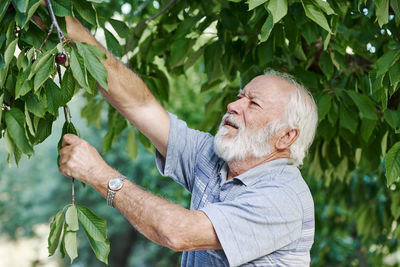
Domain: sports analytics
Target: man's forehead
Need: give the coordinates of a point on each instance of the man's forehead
(263, 83)
(250, 93)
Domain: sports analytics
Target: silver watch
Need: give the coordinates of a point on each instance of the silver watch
(114, 185)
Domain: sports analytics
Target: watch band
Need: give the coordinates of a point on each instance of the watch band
(110, 197)
(111, 193)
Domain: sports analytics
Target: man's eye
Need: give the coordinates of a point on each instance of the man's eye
(254, 103)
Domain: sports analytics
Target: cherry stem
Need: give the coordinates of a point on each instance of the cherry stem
(67, 116)
(60, 34)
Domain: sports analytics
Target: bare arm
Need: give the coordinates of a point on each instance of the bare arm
(161, 221)
(127, 92)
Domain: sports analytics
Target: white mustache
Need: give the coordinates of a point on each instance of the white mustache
(232, 121)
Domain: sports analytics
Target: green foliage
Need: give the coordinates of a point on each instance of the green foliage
(68, 222)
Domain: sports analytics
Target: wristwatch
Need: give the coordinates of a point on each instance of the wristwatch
(114, 185)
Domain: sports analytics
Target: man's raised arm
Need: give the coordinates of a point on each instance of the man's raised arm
(127, 92)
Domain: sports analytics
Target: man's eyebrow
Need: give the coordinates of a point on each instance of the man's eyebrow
(256, 96)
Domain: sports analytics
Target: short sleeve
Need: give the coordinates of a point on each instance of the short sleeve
(184, 145)
(256, 223)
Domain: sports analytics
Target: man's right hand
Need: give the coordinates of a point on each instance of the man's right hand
(127, 92)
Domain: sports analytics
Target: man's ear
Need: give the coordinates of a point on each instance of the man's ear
(287, 139)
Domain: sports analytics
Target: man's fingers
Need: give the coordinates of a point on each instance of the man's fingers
(69, 139)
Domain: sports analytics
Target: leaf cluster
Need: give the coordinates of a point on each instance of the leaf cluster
(64, 227)
(30, 94)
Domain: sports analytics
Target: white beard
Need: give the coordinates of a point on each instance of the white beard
(245, 144)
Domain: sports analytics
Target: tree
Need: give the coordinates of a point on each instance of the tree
(346, 52)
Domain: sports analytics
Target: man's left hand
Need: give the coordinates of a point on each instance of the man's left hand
(80, 160)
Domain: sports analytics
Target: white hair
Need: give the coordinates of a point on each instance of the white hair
(300, 113)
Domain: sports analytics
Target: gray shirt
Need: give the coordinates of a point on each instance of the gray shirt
(263, 217)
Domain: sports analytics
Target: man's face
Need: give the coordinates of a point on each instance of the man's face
(248, 128)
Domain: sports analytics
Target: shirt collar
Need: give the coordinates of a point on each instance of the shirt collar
(253, 174)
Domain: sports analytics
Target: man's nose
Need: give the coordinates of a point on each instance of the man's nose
(235, 107)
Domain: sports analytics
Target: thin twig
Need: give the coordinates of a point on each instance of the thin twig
(47, 37)
(161, 11)
(60, 34)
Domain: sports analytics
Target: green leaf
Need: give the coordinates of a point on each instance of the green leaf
(1, 105)
(382, 11)
(62, 243)
(386, 61)
(120, 27)
(40, 61)
(326, 65)
(33, 6)
(395, 205)
(278, 9)
(392, 160)
(85, 10)
(11, 148)
(56, 227)
(112, 43)
(367, 127)
(92, 112)
(146, 142)
(364, 104)
(43, 74)
(395, 4)
(315, 14)
(117, 124)
(95, 226)
(212, 66)
(67, 87)
(131, 145)
(266, 29)
(23, 84)
(15, 120)
(324, 5)
(9, 53)
(21, 5)
(71, 246)
(348, 120)
(71, 218)
(179, 50)
(53, 97)
(93, 64)
(78, 69)
(35, 105)
(28, 121)
(3, 9)
(43, 128)
(392, 117)
(101, 249)
(255, 3)
(62, 8)
(192, 58)
(324, 106)
(394, 74)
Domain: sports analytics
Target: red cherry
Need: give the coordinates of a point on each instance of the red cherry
(61, 58)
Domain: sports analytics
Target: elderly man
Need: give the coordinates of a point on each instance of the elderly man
(250, 205)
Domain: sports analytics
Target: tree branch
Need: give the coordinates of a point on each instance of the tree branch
(60, 34)
(167, 6)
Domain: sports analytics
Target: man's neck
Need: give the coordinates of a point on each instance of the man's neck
(237, 167)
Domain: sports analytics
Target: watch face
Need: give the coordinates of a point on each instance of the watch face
(115, 184)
